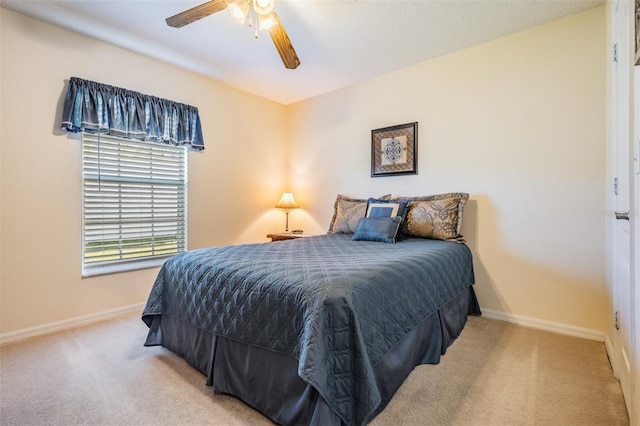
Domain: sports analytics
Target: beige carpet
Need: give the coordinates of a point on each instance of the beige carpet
(494, 374)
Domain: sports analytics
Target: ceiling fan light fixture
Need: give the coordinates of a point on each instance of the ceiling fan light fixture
(239, 9)
(263, 7)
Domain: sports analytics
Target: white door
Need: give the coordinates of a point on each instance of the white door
(622, 88)
(635, 258)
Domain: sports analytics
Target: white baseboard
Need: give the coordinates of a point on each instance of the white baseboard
(609, 347)
(53, 327)
(555, 327)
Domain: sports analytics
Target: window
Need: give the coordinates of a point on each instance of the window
(134, 203)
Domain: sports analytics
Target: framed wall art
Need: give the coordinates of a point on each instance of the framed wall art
(394, 150)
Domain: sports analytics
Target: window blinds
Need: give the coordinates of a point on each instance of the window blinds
(134, 202)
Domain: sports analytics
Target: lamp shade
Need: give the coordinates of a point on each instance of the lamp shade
(263, 7)
(265, 22)
(287, 201)
(239, 9)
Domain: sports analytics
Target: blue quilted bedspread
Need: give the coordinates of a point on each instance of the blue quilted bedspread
(334, 304)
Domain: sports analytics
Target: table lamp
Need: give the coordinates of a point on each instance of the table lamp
(287, 202)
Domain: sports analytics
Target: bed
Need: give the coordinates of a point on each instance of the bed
(318, 330)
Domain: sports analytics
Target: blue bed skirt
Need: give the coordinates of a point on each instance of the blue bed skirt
(268, 381)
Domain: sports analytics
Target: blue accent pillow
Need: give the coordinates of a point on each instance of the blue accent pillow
(382, 229)
(386, 208)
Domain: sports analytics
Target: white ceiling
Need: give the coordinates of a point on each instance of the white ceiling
(339, 42)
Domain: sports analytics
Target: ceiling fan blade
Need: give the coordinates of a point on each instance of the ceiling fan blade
(283, 44)
(195, 13)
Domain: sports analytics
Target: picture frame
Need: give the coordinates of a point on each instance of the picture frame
(394, 150)
(637, 32)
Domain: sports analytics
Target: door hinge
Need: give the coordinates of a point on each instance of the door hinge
(615, 52)
(615, 186)
(615, 321)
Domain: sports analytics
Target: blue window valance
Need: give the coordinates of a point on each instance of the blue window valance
(99, 108)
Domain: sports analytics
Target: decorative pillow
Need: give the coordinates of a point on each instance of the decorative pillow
(439, 219)
(383, 229)
(386, 208)
(347, 212)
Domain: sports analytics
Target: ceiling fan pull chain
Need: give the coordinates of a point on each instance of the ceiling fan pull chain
(252, 14)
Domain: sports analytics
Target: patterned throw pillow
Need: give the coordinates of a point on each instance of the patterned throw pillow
(347, 212)
(435, 216)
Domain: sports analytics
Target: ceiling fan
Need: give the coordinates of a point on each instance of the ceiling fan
(263, 11)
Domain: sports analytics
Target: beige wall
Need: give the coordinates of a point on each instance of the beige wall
(233, 185)
(519, 123)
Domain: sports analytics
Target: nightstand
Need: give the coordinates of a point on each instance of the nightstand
(282, 236)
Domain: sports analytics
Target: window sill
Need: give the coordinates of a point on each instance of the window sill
(92, 271)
